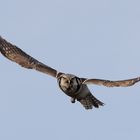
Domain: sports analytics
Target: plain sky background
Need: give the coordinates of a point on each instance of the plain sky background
(89, 38)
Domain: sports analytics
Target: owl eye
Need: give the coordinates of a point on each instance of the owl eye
(71, 81)
(67, 81)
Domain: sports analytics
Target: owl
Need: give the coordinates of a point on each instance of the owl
(73, 86)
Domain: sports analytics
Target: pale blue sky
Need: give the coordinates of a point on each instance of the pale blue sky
(89, 38)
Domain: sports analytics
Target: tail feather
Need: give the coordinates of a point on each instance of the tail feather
(89, 101)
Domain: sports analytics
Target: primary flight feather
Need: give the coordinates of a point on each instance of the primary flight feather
(70, 84)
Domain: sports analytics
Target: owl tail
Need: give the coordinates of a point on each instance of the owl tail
(89, 101)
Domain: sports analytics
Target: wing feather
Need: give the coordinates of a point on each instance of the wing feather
(108, 83)
(15, 54)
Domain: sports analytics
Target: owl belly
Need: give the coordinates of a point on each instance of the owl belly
(78, 94)
(83, 92)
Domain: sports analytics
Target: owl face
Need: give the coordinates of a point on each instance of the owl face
(69, 84)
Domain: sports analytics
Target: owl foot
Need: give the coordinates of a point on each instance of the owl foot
(72, 100)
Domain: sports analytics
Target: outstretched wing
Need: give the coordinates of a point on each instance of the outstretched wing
(15, 54)
(108, 83)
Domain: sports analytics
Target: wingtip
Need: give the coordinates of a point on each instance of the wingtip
(137, 80)
(1, 39)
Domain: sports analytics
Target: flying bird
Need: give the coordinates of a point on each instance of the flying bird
(71, 85)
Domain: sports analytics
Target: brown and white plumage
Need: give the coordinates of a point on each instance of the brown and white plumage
(108, 83)
(17, 55)
(71, 85)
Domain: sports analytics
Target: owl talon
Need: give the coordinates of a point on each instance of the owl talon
(72, 100)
